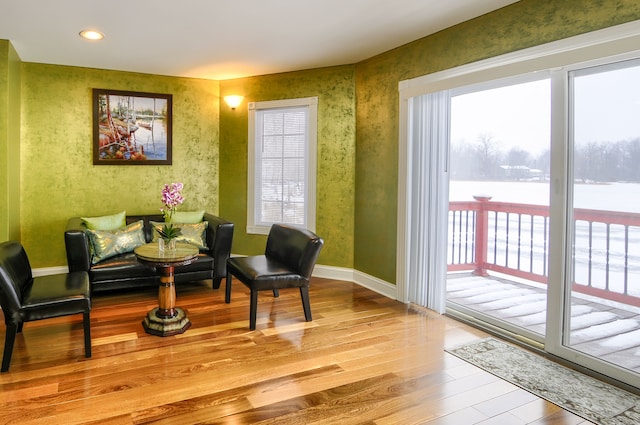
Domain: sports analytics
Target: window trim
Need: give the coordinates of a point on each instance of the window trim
(311, 160)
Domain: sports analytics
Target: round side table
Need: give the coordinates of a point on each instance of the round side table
(166, 319)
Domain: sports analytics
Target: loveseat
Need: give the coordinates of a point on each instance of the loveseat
(123, 270)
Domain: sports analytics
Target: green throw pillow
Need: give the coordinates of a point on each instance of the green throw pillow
(106, 244)
(188, 217)
(192, 233)
(107, 222)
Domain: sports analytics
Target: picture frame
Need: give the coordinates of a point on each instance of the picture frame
(131, 128)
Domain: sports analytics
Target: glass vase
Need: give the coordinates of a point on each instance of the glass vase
(166, 244)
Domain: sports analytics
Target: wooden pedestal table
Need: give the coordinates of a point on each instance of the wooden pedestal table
(166, 319)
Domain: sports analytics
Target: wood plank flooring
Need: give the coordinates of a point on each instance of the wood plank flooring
(364, 359)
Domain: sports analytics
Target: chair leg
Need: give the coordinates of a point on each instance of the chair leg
(86, 321)
(304, 294)
(227, 289)
(9, 340)
(216, 282)
(276, 293)
(20, 326)
(253, 310)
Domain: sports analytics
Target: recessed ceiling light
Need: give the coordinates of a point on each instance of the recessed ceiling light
(91, 35)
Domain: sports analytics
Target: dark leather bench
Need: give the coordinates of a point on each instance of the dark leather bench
(125, 271)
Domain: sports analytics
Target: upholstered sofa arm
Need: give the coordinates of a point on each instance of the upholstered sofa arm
(77, 245)
(219, 240)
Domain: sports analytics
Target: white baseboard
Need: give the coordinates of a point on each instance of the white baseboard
(327, 272)
(44, 271)
(331, 272)
(375, 284)
(370, 282)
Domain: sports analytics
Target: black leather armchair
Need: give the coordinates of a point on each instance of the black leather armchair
(24, 298)
(290, 256)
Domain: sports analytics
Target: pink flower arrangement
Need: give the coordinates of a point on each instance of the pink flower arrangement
(171, 198)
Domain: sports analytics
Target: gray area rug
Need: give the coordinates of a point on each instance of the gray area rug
(585, 396)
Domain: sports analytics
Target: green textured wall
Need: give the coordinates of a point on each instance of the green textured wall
(9, 142)
(335, 89)
(59, 179)
(524, 24)
(4, 140)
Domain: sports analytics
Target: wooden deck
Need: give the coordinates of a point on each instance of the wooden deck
(608, 331)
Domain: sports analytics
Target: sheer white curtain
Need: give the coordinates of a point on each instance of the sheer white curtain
(427, 199)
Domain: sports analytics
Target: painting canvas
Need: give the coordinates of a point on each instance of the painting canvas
(131, 128)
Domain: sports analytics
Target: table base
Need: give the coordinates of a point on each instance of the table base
(155, 325)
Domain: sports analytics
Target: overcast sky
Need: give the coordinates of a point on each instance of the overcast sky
(608, 106)
(607, 109)
(513, 116)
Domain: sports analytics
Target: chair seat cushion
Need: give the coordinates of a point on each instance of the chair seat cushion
(128, 265)
(261, 273)
(57, 295)
(117, 267)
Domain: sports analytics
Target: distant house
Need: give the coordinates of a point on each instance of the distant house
(520, 173)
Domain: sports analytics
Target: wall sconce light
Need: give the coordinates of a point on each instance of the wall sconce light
(233, 100)
(91, 35)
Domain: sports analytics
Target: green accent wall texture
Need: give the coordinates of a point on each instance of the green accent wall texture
(335, 89)
(59, 179)
(4, 140)
(524, 24)
(9, 142)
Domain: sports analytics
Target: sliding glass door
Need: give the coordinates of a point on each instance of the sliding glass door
(499, 202)
(542, 226)
(504, 136)
(602, 266)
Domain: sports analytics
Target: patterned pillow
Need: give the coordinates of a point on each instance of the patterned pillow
(192, 233)
(106, 244)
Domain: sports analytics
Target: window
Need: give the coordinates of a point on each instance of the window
(282, 164)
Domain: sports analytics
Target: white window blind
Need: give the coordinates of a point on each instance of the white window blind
(282, 157)
(281, 160)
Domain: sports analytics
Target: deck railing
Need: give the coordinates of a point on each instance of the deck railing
(513, 239)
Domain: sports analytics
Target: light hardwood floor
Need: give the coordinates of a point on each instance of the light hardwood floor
(364, 359)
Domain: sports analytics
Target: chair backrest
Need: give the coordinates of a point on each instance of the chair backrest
(15, 274)
(294, 247)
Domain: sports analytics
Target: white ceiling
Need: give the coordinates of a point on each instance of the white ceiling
(222, 39)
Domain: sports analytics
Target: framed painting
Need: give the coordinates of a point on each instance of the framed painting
(131, 128)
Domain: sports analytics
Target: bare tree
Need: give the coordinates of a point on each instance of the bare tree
(631, 160)
(488, 156)
(518, 156)
(462, 155)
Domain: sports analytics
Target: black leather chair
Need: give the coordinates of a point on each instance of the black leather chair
(24, 298)
(290, 256)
